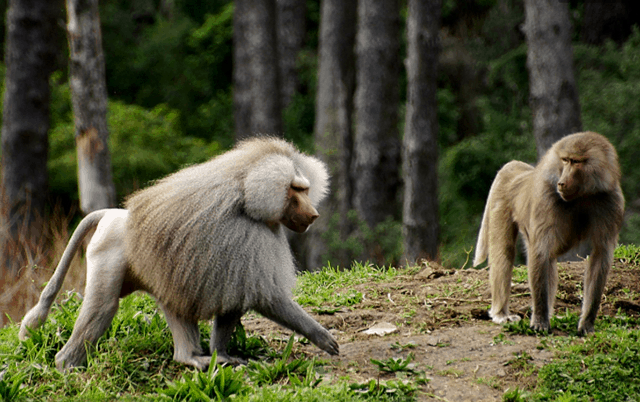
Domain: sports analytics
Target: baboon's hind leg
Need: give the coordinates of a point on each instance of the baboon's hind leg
(502, 252)
(106, 269)
(186, 341)
(223, 328)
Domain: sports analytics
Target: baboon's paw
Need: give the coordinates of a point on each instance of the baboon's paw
(502, 318)
(540, 325)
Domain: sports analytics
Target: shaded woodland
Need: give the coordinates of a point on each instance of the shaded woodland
(414, 106)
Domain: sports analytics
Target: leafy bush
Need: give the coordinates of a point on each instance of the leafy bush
(144, 145)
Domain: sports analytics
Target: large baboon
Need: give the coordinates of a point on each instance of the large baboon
(573, 195)
(205, 241)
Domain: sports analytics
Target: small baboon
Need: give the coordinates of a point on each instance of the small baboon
(573, 195)
(205, 241)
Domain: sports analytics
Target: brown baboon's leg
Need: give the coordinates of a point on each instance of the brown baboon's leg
(595, 278)
(502, 251)
(542, 280)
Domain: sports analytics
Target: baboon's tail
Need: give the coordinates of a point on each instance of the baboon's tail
(38, 314)
(482, 246)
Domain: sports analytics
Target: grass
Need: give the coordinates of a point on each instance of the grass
(133, 360)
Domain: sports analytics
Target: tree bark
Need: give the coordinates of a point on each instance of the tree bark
(420, 156)
(256, 81)
(89, 98)
(241, 73)
(333, 134)
(290, 16)
(30, 57)
(553, 91)
(377, 145)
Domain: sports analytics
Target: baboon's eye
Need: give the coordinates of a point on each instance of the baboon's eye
(298, 188)
(565, 160)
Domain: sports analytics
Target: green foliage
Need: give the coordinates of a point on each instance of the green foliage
(182, 60)
(282, 369)
(628, 254)
(318, 289)
(144, 145)
(392, 390)
(218, 383)
(515, 395)
(520, 327)
(605, 367)
(466, 171)
(383, 243)
(247, 346)
(11, 387)
(394, 364)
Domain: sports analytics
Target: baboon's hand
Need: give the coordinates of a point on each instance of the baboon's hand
(325, 341)
(585, 328)
(540, 325)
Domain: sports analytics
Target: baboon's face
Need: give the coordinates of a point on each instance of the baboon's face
(570, 184)
(299, 213)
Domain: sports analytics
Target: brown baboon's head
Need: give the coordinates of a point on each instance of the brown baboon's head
(588, 165)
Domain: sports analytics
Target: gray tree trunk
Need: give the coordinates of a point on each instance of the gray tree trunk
(376, 154)
(256, 77)
(553, 94)
(552, 87)
(89, 98)
(290, 16)
(333, 135)
(30, 57)
(420, 152)
(241, 72)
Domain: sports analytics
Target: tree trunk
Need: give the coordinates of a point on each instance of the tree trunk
(30, 56)
(332, 132)
(241, 72)
(256, 82)
(377, 145)
(553, 91)
(553, 94)
(291, 27)
(89, 98)
(420, 156)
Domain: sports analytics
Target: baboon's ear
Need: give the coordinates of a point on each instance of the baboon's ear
(266, 186)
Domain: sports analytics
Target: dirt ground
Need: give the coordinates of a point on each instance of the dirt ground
(440, 316)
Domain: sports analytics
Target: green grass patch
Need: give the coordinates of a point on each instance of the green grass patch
(603, 366)
(319, 289)
(133, 360)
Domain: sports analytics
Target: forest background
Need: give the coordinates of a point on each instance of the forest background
(169, 68)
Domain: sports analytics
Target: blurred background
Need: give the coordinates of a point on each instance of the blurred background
(414, 106)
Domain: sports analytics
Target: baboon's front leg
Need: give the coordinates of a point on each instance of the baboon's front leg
(288, 313)
(595, 279)
(543, 281)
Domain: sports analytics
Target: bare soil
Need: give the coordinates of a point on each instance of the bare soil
(440, 316)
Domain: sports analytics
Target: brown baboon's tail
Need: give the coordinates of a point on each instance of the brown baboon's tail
(482, 245)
